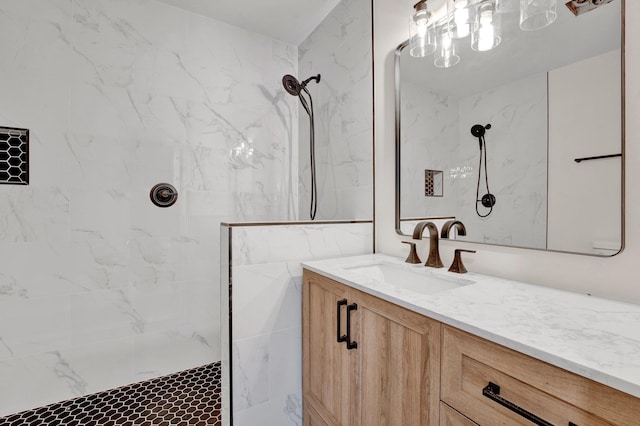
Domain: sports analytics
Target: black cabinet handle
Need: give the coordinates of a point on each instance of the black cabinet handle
(492, 391)
(340, 337)
(350, 343)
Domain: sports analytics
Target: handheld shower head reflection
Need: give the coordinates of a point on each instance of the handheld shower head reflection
(478, 131)
(293, 86)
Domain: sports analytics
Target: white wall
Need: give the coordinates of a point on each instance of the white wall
(609, 277)
(98, 287)
(583, 123)
(340, 50)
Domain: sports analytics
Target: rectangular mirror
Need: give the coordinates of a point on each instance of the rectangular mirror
(529, 135)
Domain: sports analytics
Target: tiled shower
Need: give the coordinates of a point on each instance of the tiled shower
(99, 288)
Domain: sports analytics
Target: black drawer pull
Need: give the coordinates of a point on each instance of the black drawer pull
(492, 391)
(350, 343)
(340, 337)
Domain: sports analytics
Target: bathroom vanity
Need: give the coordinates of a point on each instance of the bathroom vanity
(379, 351)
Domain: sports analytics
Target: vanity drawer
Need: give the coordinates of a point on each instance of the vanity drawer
(450, 417)
(552, 394)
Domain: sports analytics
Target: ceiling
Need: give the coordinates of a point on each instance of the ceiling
(287, 20)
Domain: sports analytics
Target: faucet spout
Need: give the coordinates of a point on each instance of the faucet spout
(452, 224)
(433, 260)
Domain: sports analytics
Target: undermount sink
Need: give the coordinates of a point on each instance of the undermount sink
(414, 278)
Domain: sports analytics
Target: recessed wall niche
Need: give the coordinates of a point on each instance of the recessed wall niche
(433, 183)
(14, 156)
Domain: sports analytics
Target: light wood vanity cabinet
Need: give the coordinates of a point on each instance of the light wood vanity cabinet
(405, 363)
(390, 378)
(552, 394)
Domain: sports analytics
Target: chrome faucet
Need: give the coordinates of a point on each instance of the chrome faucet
(448, 226)
(434, 260)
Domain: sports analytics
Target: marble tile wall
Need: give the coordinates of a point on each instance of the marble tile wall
(98, 287)
(340, 50)
(266, 286)
(516, 147)
(437, 135)
(429, 140)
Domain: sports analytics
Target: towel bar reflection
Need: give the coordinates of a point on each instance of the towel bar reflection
(598, 157)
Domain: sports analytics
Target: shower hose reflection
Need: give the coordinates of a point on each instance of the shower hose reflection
(296, 88)
(488, 200)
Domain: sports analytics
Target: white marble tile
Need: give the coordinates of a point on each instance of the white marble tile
(19, 280)
(16, 372)
(31, 326)
(99, 214)
(34, 214)
(92, 163)
(99, 264)
(34, 34)
(120, 95)
(285, 363)
(340, 49)
(516, 159)
(114, 358)
(250, 360)
(266, 286)
(254, 245)
(175, 349)
(157, 260)
(150, 221)
(103, 315)
(56, 380)
(159, 306)
(266, 298)
(285, 410)
(112, 112)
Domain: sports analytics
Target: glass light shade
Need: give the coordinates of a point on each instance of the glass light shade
(487, 27)
(445, 55)
(537, 14)
(422, 39)
(508, 6)
(460, 13)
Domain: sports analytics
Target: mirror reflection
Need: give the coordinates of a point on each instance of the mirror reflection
(514, 130)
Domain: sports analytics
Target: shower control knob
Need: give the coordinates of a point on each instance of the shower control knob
(163, 195)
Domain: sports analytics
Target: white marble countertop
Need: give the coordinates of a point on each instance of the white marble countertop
(592, 337)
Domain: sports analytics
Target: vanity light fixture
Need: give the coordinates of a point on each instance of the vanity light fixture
(537, 14)
(421, 31)
(445, 55)
(486, 27)
(462, 19)
(437, 25)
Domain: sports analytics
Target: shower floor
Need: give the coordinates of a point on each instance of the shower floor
(190, 397)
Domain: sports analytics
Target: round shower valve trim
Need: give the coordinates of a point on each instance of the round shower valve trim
(163, 195)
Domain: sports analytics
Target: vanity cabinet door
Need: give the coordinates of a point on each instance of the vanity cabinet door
(398, 364)
(326, 378)
(494, 385)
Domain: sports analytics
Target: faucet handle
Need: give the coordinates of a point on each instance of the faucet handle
(457, 266)
(413, 254)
